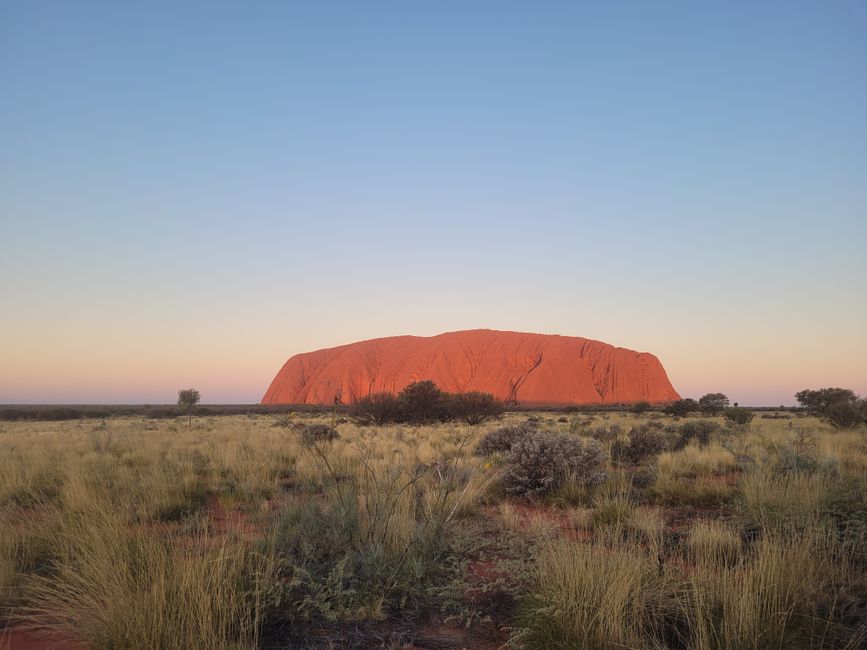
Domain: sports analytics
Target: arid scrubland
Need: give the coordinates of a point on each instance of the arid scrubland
(614, 531)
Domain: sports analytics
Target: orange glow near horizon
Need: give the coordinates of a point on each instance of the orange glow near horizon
(67, 373)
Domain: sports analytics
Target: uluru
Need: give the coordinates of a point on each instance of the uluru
(519, 368)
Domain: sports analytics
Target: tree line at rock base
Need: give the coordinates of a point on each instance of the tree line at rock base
(423, 402)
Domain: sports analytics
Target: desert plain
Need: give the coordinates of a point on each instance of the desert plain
(315, 529)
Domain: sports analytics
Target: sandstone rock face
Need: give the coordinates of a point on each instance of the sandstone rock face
(527, 369)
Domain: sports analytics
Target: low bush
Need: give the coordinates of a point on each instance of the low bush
(698, 430)
(846, 415)
(474, 407)
(738, 416)
(501, 439)
(422, 402)
(605, 434)
(682, 407)
(542, 461)
(376, 409)
(644, 442)
(316, 434)
(792, 459)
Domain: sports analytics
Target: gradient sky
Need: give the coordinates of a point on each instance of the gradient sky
(192, 192)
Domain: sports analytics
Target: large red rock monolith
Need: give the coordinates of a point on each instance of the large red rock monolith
(528, 369)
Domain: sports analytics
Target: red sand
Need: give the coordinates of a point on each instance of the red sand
(530, 369)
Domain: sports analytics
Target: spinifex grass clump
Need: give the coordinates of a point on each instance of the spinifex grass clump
(590, 596)
(713, 543)
(119, 587)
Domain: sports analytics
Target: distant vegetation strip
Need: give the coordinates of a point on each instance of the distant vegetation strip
(59, 412)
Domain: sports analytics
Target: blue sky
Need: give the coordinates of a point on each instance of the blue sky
(192, 192)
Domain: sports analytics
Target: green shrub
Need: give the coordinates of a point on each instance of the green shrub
(817, 401)
(422, 402)
(340, 559)
(543, 460)
(846, 415)
(376, 409)
(738, 416)
(792, 460)
(474, 407)
(713, 403)
(644, 441)
(698, 430)
(682, 407)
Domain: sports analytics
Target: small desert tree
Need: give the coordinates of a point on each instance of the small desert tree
(846, 414)
(682, 407)
(474, 407)
(187, 400)
(713, 403)
(817, 401)
(376, 408)
(422, 402)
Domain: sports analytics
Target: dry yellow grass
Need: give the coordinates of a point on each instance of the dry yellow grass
(107, 533)
(713, 543)
(693, 461)
(593, 596)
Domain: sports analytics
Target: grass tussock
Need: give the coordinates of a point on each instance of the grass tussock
(592, 596)
(120, 588)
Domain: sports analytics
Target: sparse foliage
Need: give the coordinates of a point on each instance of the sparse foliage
(187, 400)
(317, 434)
(604, 433)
